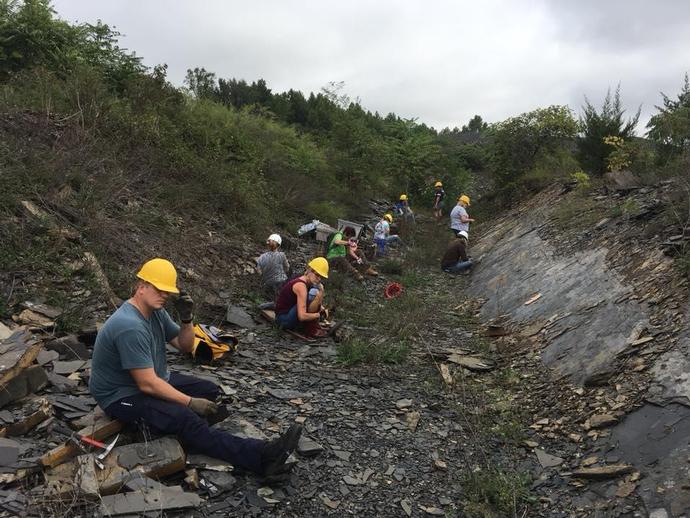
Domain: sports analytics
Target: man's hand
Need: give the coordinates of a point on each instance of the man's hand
(185, 307)
(202, 406)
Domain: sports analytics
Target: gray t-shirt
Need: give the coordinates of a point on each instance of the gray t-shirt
(455, 222)
(274, 267)
(129, 341)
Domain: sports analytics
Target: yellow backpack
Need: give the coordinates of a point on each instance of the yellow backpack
(211, 343)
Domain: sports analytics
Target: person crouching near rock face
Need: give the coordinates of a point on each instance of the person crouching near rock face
(273, 267)
(456, 260)
(299, 304)
(383, 236)
(131, 382)
(343, 255)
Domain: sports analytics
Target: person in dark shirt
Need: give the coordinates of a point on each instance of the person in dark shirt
(438, 200)
(455, 259)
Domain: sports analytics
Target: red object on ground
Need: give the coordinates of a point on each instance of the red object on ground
(394, 289)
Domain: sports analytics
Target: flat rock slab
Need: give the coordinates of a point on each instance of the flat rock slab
(289, 394)
(155, 459)
(5, 332)
(9, 451)
(70, 366)
(308, 447)
(654, 439)
(45, 356)
(238, 316)
(473, 363)
(602, 420)
(603, 472)
(401, 404)
(26, 382)
(17, 352)
(146, 500)
(547, 460)
(216, 482)
(69, 348)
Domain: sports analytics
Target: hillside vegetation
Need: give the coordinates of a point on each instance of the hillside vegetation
(136, 165)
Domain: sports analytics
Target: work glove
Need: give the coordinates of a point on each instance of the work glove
(185, 307)
(202, 406)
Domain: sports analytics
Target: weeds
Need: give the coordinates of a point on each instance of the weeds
(390, 267)
(494, 492)
(356, 350)
(576, 213)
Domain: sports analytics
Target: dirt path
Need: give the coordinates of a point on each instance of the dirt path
(392, 440)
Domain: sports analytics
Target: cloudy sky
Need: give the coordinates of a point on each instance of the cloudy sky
(440, 61)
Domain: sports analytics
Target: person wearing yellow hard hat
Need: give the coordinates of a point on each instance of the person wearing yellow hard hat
(459, 219)
(299, 301)
(402, 208)
(131, 382)
(273, 267)
(383, 236)
(439, 194)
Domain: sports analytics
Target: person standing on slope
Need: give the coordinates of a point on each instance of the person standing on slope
(459, 219)
(438, 200)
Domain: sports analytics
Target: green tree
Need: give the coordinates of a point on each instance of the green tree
(475, 125)
(596, 125)
(518, 142)
(670, 128)
(201, 83)
(31, 36)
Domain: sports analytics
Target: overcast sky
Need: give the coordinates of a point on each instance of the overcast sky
(438, 61)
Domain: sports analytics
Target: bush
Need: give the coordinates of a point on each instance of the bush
(598, 126)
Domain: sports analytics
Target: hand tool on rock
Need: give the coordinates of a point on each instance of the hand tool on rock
(77, 439)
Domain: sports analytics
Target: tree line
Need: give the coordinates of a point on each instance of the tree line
(263, 156)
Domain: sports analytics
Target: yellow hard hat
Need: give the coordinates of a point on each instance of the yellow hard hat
(161, 273)
(389, 218)
(438, 184)
(403, 197)
(320, 266)
(465, 199)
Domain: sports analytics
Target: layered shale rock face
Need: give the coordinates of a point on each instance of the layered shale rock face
(592, 288)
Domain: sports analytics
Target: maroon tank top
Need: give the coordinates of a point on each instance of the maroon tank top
(286, 297)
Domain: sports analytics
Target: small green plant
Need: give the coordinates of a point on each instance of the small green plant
(615, 212)
(390, 267)
(629, 207)
(619, 158)
(357, 350)
(683, 262)
(494, 492)
(326, 211)
(582, 181)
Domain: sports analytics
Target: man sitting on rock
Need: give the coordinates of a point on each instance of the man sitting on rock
(456, 260)
(131, 382)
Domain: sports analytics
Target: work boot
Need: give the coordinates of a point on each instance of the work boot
(372, 272)
(221, 415)
(314, 330)
(274, 453)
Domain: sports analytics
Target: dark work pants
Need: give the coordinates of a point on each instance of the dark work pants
(166, 417)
